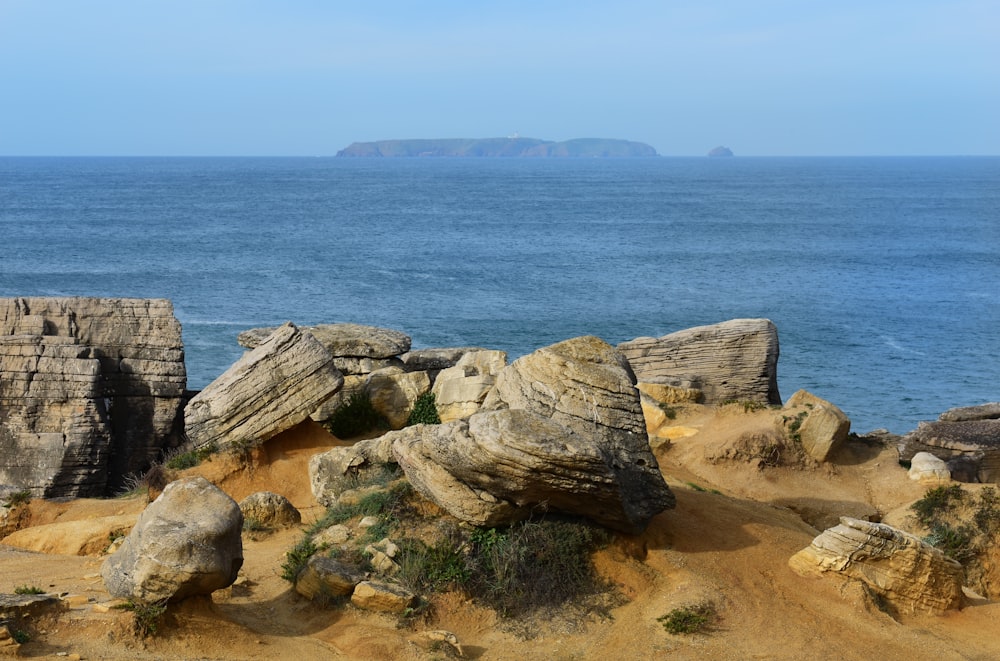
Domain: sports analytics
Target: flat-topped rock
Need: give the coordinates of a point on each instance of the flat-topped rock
(990, 411)
(975, 444)
(342, 339)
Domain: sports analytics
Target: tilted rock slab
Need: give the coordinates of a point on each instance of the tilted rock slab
(501, 466)
(821, 426)
(733, 360)
(356, 349)
(270, 389)
(393, 393)
(975, 443)
(989, 411)
(910, 574)
(91, 389)
(187, 542)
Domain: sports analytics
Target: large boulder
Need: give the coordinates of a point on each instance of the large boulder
(501, 466)
(270, 510)
(912, 575)
(91, 390)
(187, 542)
(971, 448)
(328, 470)
(270, 389)
(393, 393)
(356, 349)
(820, 426)
(733, 360)
(459, 391)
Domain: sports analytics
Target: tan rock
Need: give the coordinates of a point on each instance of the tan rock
(326, 577)
(909, 573)
(382, 597)
(393, 393)
(270, 389)
(818, 424)
(459, 391)
(926, 468)
(353, 384)
(328, 470)
(84, 537)
(332, 536)
(432, 640)
(270, 510)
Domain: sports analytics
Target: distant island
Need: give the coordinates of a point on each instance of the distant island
(516, 147)
(720, 152)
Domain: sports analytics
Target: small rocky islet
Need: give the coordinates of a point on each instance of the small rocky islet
(93, 393)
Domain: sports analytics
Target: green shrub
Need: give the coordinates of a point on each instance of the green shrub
(955, 542)
(17, 498)
(688, 620)
(20, 636)
(28, 589)
(297, 557)
(147, 617)
(987, 514)
(355, 417)
(437, 567)
(424, 411)
(935, 503)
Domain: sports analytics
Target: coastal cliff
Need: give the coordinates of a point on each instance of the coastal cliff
(500, 148)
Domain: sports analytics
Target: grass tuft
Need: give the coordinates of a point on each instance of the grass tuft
(689, 619)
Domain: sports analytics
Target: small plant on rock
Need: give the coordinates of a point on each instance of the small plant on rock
(28, 589)
(146, 617)
(689, 619)
(17, 498)
(424, 411)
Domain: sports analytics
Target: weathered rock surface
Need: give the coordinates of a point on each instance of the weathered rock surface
(393, 393)
(910, 574)
(270, 510)
(356, 349)
(925, 467)
(187, 542)
(971, 445)
(354, 384)
(327, 470)
(818, 424)
(326, 577)
(990, 411)
(382, 597)
(459, 391)
(91, 390)
(270, 389)
(733, 360)
(434, 360)
(500, 466)
(84, 537)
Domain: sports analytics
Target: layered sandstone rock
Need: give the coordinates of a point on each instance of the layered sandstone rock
(270, 510)
(270, 389)
(459, 391)
(733, 360)
(91, 390)
(820, 426)
(187, 542)
(909, 573)
(971, 448)
(393, 393)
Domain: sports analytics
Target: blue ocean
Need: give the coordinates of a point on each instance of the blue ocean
(881, 274)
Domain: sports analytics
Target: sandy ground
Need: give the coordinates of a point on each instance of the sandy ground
(727, 542)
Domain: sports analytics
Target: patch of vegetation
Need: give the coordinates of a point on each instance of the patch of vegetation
(251, 524)
(424, 411)
(20, 636)
(434, 567)
(146, 617)
(748, 405)
(355, 417)
(28, 589)
(669, 411)
(793, 424)
(955, 542)
(987, 514)
(689, 619)
(935, 503)
(191, 458)
(18, 498)
(297, 557)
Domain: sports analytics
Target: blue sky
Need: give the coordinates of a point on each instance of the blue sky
(307, 77)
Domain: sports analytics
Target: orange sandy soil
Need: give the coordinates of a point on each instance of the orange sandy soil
(728, 542)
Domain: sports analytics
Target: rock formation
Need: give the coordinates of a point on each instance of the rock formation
(91, 390)
(925, 467)
(820, 426)
(971, 448)
(393, 393)
(911, 575)
(459, 391)
(187, 542)
(989, 411)
(270, 510)
(733, 360)
(270, 389)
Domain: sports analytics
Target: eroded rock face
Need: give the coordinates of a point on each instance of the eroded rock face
(970, 447)
(270, 509)
(91, 390)
(734, 360)
(459, 391)
(270, 389)
(187, 542)
(356, 349)
(328, 469)
(910, 574)
(819, 425)
(393, 393)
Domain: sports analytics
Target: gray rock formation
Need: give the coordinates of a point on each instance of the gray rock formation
(970, 446)
(326, 577)
(270, 389)
(270, 510)
(91, 390)
(356, 349)
(911, 575)
(925, 467)
(500, 466)
(459, 391)
(733, 360)
(327, 470)
(990, 411)
(820, 426)
(187, 542)
(434, 360)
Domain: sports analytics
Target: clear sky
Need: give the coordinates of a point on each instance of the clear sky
(308, 77)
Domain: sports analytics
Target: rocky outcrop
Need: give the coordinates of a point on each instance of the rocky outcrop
(91, 390)
(356, 349)
(382, 597)
(990, 411)
(926, 468)
(270, 389)
(820, 426)
(971, 448)
(734, 360)
(187, 542)
(270, 510)
(326, 577)
(434, 360)
(459, 391)
(327, 470)
(911, 575)
(393, 393)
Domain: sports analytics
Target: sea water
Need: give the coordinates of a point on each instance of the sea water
(881, 274)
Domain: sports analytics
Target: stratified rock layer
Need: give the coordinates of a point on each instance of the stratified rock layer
(90, 390)
(734, 360)
(972, 444)
(910, 574)
(356, 349)
(270, 389)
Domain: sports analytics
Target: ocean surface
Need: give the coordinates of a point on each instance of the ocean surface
(881, 274)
